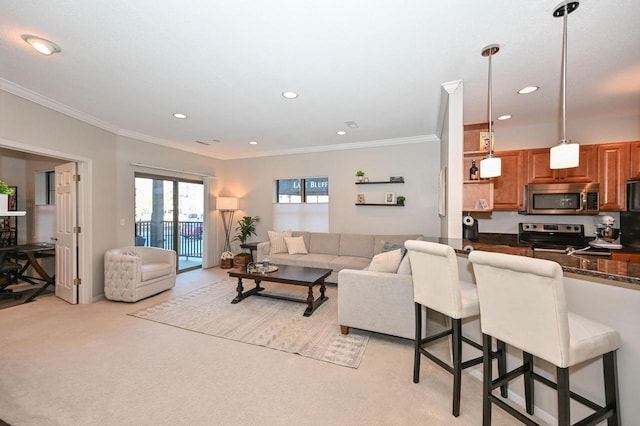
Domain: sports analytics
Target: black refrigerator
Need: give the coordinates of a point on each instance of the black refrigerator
(630, 220)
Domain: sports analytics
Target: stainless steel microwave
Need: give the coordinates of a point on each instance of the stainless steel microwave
(562, 198)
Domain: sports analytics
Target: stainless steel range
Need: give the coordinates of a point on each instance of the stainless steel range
(558, 238)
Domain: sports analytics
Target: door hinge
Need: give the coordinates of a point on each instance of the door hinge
(77, 281)
(76, 178)
(77, 229)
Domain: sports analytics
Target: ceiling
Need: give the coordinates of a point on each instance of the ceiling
(128, 65)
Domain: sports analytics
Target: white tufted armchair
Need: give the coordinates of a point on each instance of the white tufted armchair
(133, 273)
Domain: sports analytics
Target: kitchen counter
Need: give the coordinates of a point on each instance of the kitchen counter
(587, 265)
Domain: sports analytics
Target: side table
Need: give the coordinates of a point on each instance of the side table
(252, 247)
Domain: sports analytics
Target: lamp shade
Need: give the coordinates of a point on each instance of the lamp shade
(490, 166)
(565, 155)
(227, 203)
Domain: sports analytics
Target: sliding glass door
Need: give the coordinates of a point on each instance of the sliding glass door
(169, 214)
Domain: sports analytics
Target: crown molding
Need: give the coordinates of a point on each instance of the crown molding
(39, 99)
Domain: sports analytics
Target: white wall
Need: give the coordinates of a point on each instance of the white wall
(252, 181)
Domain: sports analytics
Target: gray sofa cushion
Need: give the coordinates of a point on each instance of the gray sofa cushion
(323, 243)
(356, 245)
(394, 239)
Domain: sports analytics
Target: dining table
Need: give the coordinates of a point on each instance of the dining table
(28, 256)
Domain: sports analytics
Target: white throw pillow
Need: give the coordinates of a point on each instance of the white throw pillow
(405, 266)
(278, 245)
(386, 262)
(295, 245)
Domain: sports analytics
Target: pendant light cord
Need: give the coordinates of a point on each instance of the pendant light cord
(564, 78)
(490, 105)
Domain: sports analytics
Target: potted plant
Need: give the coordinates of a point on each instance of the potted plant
(400, 200)
(5, 191)
(360, 175)
(226, 260)
(246, 228)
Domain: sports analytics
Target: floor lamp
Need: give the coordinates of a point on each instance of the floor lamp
(227, 207)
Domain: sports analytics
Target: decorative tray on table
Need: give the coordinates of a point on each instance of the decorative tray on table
(257, 268)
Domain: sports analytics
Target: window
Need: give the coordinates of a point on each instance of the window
(306, 190)
(46, 188)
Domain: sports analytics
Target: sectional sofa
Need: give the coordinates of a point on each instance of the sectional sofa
(370, 300)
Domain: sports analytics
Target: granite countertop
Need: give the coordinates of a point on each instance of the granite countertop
(588, 265)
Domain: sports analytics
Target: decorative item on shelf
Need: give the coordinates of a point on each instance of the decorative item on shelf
(473, 171)
(389, 198)
(564, 155)
(490, 166)
(486, 141)
(360, 198)
(227, 207)
(360, 175)
(365, 179)
(400, 200)
(226, 260)
(396, 179)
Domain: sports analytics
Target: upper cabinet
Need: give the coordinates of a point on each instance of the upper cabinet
(539, 171)
(508, 189)
(634, 170)
(613, 172)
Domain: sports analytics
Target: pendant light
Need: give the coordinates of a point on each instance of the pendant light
(490, 166)
(565, 155)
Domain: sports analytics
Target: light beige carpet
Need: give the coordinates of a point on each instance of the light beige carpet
(272, 323)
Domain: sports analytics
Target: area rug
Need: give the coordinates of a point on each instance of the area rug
(272, 323)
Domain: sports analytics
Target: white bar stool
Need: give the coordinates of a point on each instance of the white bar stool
(522, 303)
(436, 285)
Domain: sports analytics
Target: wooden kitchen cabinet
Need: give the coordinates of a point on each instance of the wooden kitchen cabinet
(613, 172)
(634, 169)
(540, 172)
(625, 257)
(508, 189)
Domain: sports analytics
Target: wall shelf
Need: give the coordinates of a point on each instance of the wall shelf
(384, 205)
(376, 183)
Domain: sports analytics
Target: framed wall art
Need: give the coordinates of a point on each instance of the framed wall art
(389, 198)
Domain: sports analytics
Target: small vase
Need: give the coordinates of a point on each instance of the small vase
(360, 178)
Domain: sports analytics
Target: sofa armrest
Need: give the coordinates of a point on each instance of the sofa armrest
(263, 250)
(376, 301)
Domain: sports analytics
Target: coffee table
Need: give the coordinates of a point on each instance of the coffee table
(286, 274)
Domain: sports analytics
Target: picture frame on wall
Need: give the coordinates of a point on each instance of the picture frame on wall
(389, 198)
(360, 199)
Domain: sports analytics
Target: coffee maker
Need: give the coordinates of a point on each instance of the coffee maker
(469, 228)
(607, 235)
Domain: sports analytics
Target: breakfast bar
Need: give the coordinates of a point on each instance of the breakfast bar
(605, 290)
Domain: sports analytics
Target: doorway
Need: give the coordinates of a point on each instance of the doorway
(169, 213)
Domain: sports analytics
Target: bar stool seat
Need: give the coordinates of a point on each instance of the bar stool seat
(436, 285)
(522, 303)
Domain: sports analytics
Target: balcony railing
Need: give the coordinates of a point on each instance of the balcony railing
(160, 234)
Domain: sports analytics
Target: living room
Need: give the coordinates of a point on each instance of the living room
(44, 125)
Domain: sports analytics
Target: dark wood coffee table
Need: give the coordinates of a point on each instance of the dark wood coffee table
(286, 274)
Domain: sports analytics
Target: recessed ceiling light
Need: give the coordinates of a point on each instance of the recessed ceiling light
(504, 117)
(528, 89)
(179, 115)
(253, 143)
(289, 95)
(42, 45)
(351, 124)
(341, 132)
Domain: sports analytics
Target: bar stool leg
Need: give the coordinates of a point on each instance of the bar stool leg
(564, 395)
(610, 367)
(487, 376)
(528, 382)
(456, 343)
(501, 347)
(416, 342)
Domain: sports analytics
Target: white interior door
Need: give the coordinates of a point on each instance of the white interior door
(66, 237)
